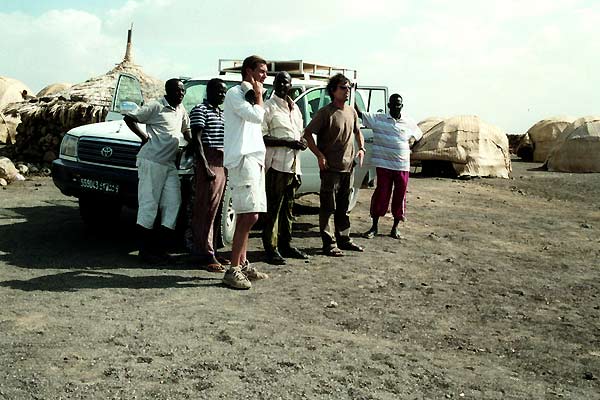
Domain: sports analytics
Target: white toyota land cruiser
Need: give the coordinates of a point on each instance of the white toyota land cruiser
(97, 161)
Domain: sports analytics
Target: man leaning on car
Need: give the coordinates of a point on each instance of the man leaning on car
(159, 188)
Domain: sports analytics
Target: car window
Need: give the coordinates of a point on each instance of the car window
(195, 92)
(128, 89)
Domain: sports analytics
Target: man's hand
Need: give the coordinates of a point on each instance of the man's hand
(297, 144)
(210, 175)
(322, 163)
(361, 156)
(258, 90)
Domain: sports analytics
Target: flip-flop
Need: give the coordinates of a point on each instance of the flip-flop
(214, 267)
(369, 235)
(223, 260)
(351, 246)
(333, 252)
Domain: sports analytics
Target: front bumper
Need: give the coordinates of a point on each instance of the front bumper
(67, 176)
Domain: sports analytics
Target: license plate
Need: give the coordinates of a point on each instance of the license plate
(99, 186)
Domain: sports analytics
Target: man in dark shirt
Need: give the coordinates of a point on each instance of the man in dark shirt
(336, 126)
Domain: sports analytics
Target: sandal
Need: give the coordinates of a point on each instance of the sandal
(370, 234)
(351, 246)
(333, 252)
(223, 260)
(214, 267)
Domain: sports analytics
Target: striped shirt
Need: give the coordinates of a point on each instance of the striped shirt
(210, 120)
(391, 149)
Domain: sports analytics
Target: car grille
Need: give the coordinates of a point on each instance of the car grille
(108, 152)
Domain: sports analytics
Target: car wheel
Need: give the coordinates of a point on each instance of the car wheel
(227, 219)
(98, 211)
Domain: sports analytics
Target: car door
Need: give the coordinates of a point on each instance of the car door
(128, 96)
(308, 103)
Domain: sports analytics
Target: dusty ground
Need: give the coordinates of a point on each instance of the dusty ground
(491, 294)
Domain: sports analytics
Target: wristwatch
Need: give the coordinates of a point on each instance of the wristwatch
(363, 150)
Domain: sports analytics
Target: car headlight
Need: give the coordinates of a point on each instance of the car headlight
(68, 146)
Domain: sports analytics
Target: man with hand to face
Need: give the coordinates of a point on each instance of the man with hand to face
(244, 158)
(282, 130)
(336, 127)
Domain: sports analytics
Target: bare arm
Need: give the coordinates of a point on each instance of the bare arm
(133, 125)
(273, 141)
(199, 151)
(310, 141)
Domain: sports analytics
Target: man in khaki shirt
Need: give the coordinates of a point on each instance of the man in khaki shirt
(336, 126)
(282, 130)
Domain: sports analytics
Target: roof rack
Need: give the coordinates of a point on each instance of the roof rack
(296, 68)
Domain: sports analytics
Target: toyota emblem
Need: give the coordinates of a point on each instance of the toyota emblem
(106, 152)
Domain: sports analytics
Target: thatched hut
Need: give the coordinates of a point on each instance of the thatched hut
(577, 148)
(12, 90)
(54, 89)
(464, 146)
(540, 138)
(44, 121)
(429, 123)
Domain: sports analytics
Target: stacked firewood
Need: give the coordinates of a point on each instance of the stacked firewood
(43, 124)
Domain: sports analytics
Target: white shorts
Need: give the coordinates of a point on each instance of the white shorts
(158, 187)
(247, 182)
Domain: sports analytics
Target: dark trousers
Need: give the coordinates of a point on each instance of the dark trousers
(207, 198)
(281, 189)
(335, 199)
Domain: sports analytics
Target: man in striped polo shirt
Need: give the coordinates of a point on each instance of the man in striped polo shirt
(207, 124)
(391, 157)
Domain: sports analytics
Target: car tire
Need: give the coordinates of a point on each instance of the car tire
(227, 228)
(99, 211)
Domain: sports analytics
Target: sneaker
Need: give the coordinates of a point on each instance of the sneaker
(234, 278)
(252, 273)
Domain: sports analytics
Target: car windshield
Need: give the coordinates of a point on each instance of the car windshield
(195, 92)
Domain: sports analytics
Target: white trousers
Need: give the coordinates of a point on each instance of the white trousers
(158, 188)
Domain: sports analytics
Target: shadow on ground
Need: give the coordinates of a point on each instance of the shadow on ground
(76, 280)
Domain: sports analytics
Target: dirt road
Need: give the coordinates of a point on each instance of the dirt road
(492, 293)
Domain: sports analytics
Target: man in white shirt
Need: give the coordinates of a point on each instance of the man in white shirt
(244, 158)
(391, 157)
(158, 187)
(282, 130)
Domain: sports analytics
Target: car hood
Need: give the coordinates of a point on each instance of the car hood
(111, 130)
(108, 130)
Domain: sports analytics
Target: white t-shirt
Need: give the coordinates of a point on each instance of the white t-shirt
(281, 122)
(243, 128)
(164, 125)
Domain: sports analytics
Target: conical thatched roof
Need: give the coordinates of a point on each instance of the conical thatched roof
(11, 91)
(99, 90)
(474, 147)
(577, 148)
(53, 89)
(43, 121)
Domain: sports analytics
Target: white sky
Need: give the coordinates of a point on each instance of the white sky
(510, 62)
